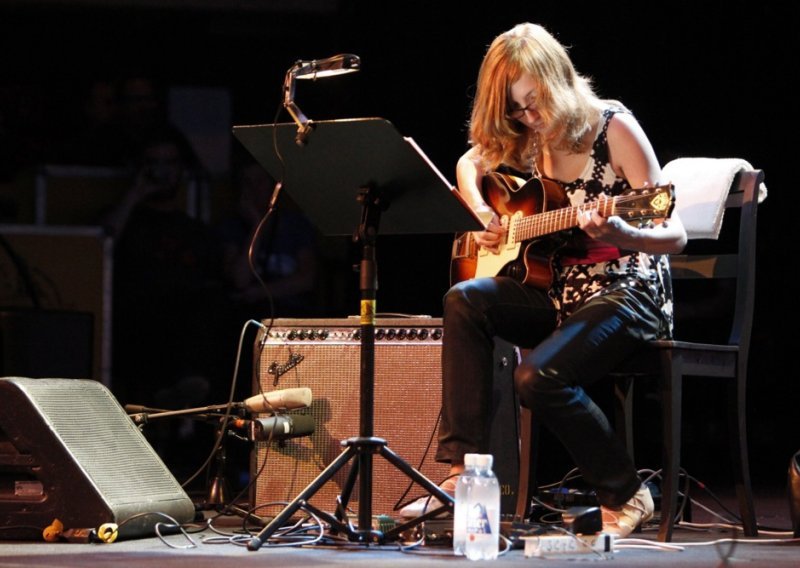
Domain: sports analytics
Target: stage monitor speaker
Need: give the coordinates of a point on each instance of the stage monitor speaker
(324, 355)
(69, 452)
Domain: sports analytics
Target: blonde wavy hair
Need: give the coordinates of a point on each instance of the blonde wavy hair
(565, 100)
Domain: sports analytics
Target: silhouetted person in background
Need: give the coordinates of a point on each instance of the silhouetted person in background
(168, 342)
(141, 111)
(93, 136)
(114, 120)
(285, 254)
(285, 259)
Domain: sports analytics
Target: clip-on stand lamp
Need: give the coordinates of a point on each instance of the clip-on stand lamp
(336, 65)
(397, 187)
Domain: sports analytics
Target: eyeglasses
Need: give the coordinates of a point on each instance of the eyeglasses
(517, 113)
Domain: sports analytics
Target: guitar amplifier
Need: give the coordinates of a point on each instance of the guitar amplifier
(324, 355)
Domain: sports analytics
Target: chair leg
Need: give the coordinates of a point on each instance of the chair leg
(623, 412)
(671, 389)
(529, 439)
(737, 431)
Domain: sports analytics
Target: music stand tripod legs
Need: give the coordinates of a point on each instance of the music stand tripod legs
(361, 448)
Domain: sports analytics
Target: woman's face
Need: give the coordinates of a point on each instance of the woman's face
(522, 105)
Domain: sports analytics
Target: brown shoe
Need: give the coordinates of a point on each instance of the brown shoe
(622, 521)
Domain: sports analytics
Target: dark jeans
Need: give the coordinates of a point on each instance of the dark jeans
(589, 343)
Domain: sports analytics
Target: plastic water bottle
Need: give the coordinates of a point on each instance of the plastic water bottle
(463, 487)
(483, 513)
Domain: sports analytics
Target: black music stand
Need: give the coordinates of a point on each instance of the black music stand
(360, 173)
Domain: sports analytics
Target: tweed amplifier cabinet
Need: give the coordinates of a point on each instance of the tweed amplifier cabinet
(68, 451)
(324, 355)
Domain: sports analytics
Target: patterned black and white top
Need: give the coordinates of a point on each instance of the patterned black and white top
(577, 282)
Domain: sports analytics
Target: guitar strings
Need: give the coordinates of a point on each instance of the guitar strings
(552, 221)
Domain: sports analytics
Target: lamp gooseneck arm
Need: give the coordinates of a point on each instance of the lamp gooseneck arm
(303, 123)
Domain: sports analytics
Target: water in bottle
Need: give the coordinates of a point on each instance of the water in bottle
(482, 534)
(463, 487)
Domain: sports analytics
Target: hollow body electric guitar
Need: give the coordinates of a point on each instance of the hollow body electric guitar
(533, 213)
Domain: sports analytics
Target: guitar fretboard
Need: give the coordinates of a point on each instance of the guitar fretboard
(548, 222)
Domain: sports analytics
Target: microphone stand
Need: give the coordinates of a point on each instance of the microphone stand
(217, 493)
(143, 414)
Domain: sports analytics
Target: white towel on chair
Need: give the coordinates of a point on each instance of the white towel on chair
(701, 188)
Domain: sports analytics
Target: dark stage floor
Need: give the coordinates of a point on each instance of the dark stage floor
(769, 549)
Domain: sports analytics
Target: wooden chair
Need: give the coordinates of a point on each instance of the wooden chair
(672, 360)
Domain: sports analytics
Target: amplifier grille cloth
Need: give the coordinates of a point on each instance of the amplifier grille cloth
(406, 409)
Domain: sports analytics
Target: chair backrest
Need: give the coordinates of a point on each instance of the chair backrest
(737, 266)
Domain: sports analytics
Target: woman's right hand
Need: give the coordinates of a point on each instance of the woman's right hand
(493, 237)
(470, 178)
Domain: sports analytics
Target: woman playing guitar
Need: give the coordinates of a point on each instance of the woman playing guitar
(608, 291)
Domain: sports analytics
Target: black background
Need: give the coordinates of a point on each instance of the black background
(704, 79)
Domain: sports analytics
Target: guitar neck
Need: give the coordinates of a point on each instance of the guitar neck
(548, 222)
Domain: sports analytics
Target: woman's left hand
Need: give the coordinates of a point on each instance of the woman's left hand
(612, 230)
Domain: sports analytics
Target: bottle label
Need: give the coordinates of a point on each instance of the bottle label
(478, 520)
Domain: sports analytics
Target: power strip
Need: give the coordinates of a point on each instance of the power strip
(551, 545)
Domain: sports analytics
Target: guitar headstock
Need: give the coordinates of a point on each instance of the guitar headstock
(656, 202)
